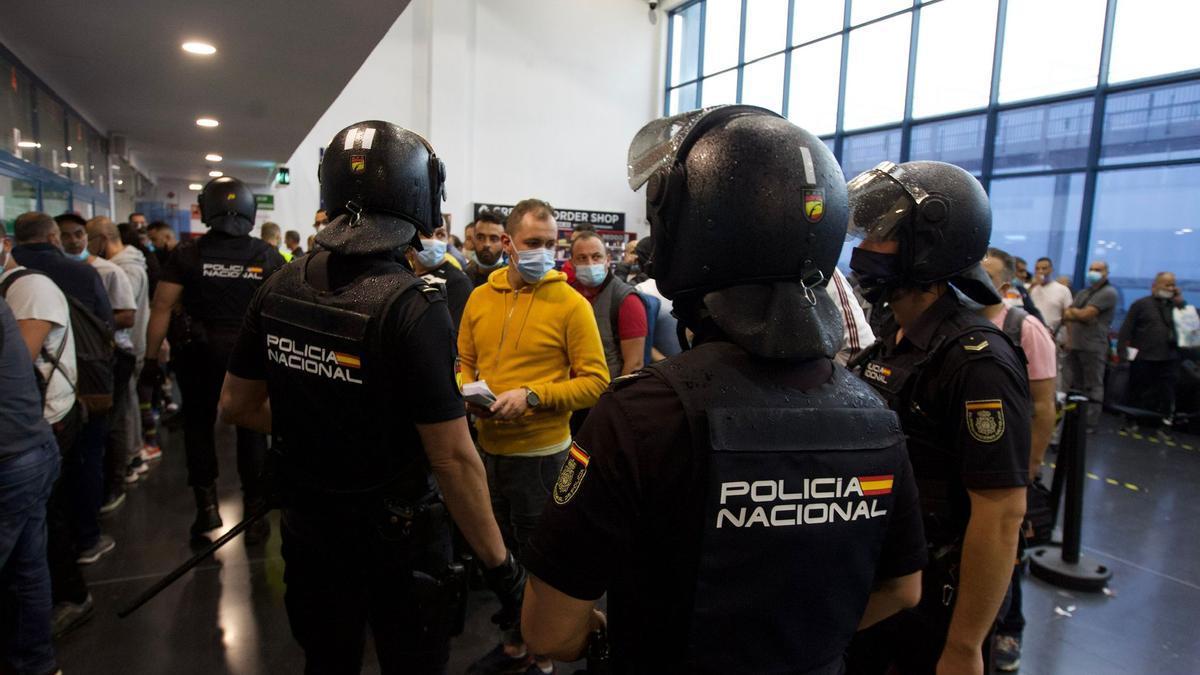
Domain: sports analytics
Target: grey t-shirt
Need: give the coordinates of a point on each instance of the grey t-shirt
(1092, 336)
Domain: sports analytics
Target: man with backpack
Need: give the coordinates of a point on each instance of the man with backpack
(64, 316)
(1032, 338)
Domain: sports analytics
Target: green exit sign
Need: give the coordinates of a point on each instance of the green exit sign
(265, 202)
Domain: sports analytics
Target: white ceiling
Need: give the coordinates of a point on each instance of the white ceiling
(279, 65)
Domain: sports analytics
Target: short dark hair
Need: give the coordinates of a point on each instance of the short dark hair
(292, 235)
(1006, 260)
(136, 213)
(33, 226)
(488, 216)
(129, 236)
(584, 235)
(584, 227)
(539, 209)
(1046, 259)
(159, 225)
(69, 217)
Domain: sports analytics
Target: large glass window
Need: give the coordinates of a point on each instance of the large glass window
(813, 93)
(1153, 124)
(16, 112)
(722, 28)
(685, 44)
(683, 98)
(55, 200)
(1050, 47)
(52, 129)
(1154, 37)
(1038, 216)
(813, 19)
(954, 57)
(766, 28)
(957, 141)
(865, 10)
(77, 151)
(877, 73)
(17, 196)
(1145, 223)
(1044, 137)
(864, 151)
(719, 89)
(762, 83)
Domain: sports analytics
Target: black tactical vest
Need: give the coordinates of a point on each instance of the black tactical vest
(334, 415)
(223, 273)
(912, 385)
(797, 504)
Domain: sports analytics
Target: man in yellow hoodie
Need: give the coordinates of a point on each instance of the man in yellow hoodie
(534, 340)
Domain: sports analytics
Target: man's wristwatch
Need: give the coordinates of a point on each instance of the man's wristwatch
(531, 398)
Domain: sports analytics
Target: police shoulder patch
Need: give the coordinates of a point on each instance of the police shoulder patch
(985, 420)
(973, 342)
(571, 475)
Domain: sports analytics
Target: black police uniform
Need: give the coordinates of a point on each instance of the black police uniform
(962, 394)
(356, 351)
(736, 510)
(220, 273)
(456, 286)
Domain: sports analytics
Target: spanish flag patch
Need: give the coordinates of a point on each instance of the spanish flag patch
(347, 360)
(571, 475)
(876, 485)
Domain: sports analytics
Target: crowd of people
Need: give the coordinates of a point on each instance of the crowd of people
(110, 314)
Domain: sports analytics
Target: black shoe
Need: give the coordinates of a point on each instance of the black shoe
(207, 516)
(70, 615)
(260, 530)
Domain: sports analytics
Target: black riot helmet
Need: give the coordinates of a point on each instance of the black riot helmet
(380, 185)
(748, 215)
(939, 215)
(227, 205)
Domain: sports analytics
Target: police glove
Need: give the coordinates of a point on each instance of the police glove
(151, 377)
(507, 581)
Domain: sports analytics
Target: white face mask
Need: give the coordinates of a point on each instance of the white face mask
(1164, 294)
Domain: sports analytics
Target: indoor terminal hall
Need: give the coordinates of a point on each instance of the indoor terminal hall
(600, 336)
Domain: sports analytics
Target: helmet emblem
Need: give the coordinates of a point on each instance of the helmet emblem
(230, 197)
(814, 204)
(358, 163)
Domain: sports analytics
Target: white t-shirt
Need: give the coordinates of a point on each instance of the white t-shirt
(35, 296)
(856, 332)
(133, 264)
(120, 296)
(1051, 299)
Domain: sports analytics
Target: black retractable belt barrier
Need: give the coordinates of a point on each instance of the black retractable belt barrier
(1070, 569)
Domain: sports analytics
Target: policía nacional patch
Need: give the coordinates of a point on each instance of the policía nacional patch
(985, 420)
(571, 475)
(814, 204)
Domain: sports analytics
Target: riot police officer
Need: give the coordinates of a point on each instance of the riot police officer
(347, 359)
(211, 279)
(962, 394)
(748, 503)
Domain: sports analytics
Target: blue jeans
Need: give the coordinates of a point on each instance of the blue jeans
(25, 484)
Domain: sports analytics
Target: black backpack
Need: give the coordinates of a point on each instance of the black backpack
(94, 353)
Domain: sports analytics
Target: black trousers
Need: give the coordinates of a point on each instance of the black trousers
(66, 579)
(200, 370)
(347, 569)
(1152, 385)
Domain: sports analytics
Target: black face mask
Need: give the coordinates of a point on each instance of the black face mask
(875, 271)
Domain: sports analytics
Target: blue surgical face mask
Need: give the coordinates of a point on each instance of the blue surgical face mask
(82, 255)
(1093, 276)
(433, 250)
(591, 275)
(534, 263)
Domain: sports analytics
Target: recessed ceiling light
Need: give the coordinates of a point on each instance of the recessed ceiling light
(207, 122)
(69, 165)
(29, 144)
(117, 167)
(216, 174)
(195, 186)
(213, 157)
(120, 182)
(202, 48)
(69, 148)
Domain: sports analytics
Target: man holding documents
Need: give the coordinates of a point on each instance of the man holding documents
(533, 340)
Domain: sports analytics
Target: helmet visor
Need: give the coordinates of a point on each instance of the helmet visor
(658, 143)
(881, 200)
